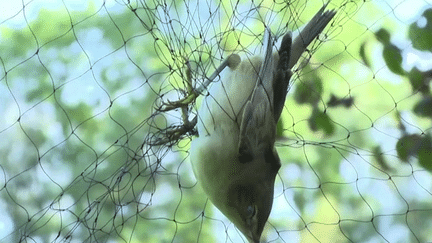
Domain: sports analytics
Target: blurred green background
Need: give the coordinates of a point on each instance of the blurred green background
(87, 156)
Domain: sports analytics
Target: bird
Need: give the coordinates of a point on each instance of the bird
(234, 158)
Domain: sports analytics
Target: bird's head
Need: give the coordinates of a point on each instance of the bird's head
(250, 208)
(250, 195)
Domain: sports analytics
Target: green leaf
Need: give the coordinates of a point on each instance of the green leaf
(321, 121)
(393, 58)
(42, 91)
(407, 146)
(345, 102)
(391, 53)
(81, 115)
(380, 159)
(383, 36)
(300, 201)
(425, 152)
(363, 56)
(419, 80)
(422, 37)
(424, 107)
(309, 91)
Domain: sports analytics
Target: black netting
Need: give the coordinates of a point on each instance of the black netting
(91, 150)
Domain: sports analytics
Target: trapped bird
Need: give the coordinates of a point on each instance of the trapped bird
(234, 158)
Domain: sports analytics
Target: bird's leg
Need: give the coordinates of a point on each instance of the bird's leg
(174, 133)
(231, 61)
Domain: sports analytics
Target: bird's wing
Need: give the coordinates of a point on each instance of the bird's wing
(258, 127)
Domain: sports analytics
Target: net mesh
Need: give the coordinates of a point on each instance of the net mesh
(91, 153)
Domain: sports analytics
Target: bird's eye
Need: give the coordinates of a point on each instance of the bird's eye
(251, 216)
(244, 155)
(251, 211)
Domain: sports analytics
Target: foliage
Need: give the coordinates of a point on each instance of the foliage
(79, 91)
(413, 145)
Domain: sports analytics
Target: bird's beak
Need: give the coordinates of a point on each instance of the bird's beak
(253, 237)
(256, 240)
